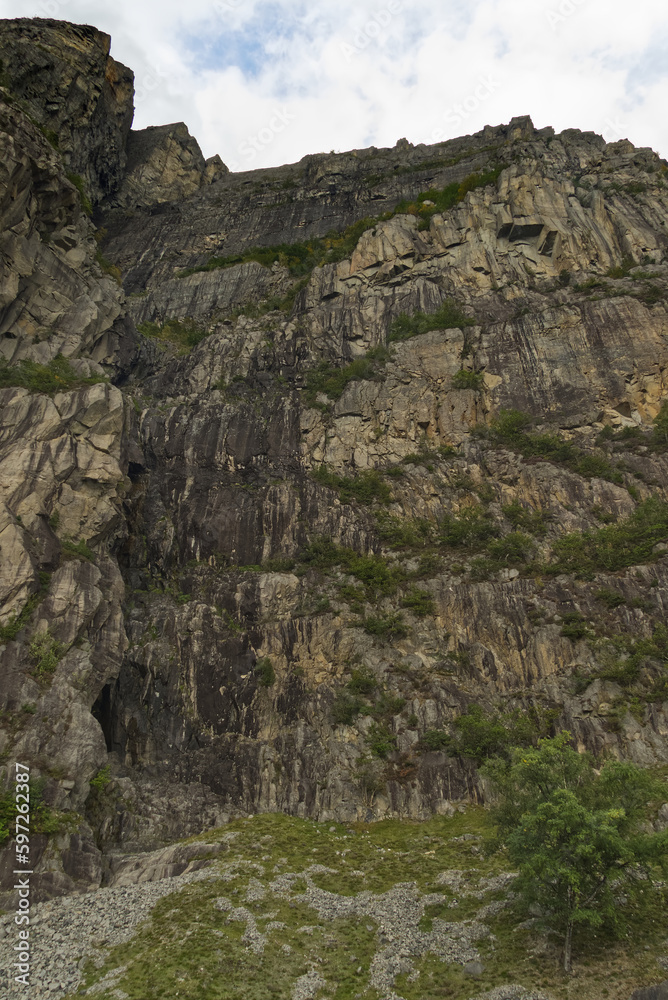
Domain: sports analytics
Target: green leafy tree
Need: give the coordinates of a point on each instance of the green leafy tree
(660, 434)
(576, 834)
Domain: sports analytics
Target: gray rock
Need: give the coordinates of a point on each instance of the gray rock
(474, 969)
(64, 75)
(658, 992)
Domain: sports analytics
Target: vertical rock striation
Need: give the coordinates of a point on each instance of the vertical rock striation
(261, 551)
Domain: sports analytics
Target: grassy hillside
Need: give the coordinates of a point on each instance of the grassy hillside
(297, 909)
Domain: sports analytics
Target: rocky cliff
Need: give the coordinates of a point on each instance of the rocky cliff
(303, 465)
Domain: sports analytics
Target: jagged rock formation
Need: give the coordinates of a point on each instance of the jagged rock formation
(164, 164)
(190, 628)
(65, 79)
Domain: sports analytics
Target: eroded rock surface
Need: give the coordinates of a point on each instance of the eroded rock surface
(229, 575)
(63, 76)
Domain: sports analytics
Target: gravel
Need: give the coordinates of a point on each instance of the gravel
(65, 933)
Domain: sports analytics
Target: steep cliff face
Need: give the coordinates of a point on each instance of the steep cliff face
(292, 532)
(64, 78)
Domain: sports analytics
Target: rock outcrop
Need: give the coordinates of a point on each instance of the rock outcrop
(164, 163)
(64, 78)
(261, 551)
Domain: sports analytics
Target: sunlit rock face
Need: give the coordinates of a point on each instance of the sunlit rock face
(236, 570)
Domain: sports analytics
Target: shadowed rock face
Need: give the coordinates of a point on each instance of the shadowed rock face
(164, 163)
(63, 76)
(169, 606)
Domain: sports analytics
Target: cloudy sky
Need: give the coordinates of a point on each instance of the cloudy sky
(264, 82)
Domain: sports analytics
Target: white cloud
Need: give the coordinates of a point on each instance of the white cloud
(265, 81)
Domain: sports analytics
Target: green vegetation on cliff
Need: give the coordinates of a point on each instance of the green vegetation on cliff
(332, 380)
(614, 547)
(57, 375)
(299, 258)
(302, 258)
(435, 201)
(183, 334)
(366, 487)
(511, 428)
(448, 316)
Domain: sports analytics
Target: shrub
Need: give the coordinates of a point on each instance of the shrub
(274, 303)
(279, 564)
(420, 602)
(448, 316)
(402, 533)
(368, 775)
(530, 520)
(435, 740)
(611, 598)
(478, 735)
(366, 487)
(622, 270)
(574, 626)
(449, 196)
(625, 670)
(18, 622)
(184, 334)
(471, 528)
(42, 818)
(100, 781)
(354, 598)
(78, 183)
(345, 708)
(510, 428)
(387, 704)
(378, 576)
(264, 671)
(107, 267)
(77, 550)
(386, 627)
(299, 258)
(321, 554)
(46, 652)
(362, 681)
(660, 431)
(615, 546)
(56, 376)
(482, 736)
(380, 740)
(465, 379)
(333, 381)
(511, 549)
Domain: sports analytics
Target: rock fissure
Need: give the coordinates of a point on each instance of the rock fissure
(261, 567)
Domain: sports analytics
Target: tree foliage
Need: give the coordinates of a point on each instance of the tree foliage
(577, 835)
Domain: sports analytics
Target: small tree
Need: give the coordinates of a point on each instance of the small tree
(576, 834)
(660, 433)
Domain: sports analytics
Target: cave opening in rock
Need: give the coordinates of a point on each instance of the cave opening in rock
(102, 710)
